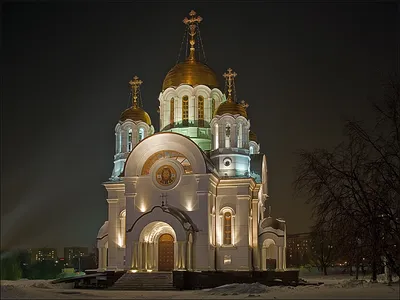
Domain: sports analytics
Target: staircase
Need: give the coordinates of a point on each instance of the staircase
(144, 281)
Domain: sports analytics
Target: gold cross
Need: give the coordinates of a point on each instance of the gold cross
(229, 77)
(135, 84)
(192, 22)
(244, 104)
(192, 19)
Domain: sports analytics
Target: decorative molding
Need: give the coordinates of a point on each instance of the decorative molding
(130, 195)
(112, 200)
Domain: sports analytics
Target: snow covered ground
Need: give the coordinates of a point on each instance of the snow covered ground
(334, 287)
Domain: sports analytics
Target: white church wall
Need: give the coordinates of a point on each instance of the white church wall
(116, 203)
(234, 196)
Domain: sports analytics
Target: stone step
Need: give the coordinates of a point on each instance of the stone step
(144, 281)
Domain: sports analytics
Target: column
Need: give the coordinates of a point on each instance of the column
(192, 109)
(134, 253)
(233, 136)
(256, 256)
(278, 258)
(150, 256)
(162, 112)
(113, 230)
(189, 256)
(140, 256)
(102, 262)
(146, 250)
(183, 255)
(176, 257)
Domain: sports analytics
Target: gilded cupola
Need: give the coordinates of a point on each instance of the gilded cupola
(230, 106)
(135, 112)
(191, 71)
(253, 136)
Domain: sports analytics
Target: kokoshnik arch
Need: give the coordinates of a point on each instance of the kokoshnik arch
(192, 196)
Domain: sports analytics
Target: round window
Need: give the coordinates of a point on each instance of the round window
(227, 162)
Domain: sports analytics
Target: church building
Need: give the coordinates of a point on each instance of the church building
(193, 195)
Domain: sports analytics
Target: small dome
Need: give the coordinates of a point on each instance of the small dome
(253, 136)
(135, 114)
(103, 230)
(230, 107)
(190, 72)
(271, 222)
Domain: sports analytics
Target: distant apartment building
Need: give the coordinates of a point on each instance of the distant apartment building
(41, 254)
(298, 249)
(73, 253)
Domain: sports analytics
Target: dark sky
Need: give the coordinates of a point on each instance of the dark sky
(302, 67)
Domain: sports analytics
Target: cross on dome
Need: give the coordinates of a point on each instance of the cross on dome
(229, 76)
(193, 19)
(135, 84)
(192, 22)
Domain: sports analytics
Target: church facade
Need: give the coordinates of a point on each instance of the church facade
(193, 195)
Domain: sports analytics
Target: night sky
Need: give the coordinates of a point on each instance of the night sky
(303, 68)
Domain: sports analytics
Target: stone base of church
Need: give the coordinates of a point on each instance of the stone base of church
(188, 280)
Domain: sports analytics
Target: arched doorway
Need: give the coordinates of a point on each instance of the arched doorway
(269, 255)
(166, 252)
(158, 247)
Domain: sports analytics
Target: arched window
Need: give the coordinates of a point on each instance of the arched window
(141, 133)
(216, 135)
(130, 139)
(122, 234)
(200, 111)
(227, 228)
(212, 107)
(185, 111)
(251, 149)
(172, 112)
(240, 136)
(227, 136)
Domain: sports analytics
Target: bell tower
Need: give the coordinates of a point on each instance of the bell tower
(134, 125)
(230, 134)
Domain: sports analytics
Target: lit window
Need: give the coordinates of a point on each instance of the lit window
(141, 134)
(130, 139)
(185, 111)
(227, 228)
(200, 112)
(227, 136)
(251, 150)
(171, 112)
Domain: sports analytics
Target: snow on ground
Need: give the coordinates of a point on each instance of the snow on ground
(334, 287)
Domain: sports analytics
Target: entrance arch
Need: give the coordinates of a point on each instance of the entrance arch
(269, 257)
(158, 247)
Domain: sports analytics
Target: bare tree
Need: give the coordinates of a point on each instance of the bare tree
(357, 184)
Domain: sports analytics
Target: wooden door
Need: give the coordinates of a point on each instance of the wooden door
(166, 253)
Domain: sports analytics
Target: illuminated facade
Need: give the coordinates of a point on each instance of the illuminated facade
(192, 196)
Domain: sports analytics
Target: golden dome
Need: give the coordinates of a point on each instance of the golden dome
(230, 107)
(253, 136)
(135, 114)
(190, 72)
